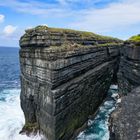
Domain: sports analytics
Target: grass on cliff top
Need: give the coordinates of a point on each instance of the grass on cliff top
(80, 33)
(73, 47)
(135, 38)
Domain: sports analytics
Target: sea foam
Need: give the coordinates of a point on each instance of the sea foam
(12, 117)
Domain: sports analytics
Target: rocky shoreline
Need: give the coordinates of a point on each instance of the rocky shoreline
(124, 120)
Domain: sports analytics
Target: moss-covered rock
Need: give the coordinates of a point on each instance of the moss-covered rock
(44, 36)
(30, 128)
(62, 30)
(135, 38)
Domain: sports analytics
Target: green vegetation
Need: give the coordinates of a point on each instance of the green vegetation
(83, 34)
(66, 47)
(135, 38)
(73, 47)
(108, 44)
(30, 128)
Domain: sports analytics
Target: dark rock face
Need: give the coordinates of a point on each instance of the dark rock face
(125, 124)
(42, 36)
(125, 120)
(129, 71)
(63, 83)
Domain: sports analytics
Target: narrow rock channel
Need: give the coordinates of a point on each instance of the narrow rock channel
(98, 128)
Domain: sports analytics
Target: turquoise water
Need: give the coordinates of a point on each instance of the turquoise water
(98, 128)
(11, 115)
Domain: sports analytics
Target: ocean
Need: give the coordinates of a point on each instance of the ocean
(12, 117)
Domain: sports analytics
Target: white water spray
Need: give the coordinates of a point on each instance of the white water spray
(12, 117)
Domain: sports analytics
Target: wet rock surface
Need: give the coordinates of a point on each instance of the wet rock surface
(126, 118)
(65, 78)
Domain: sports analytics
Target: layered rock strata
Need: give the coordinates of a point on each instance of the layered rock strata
(129, 69)
(65, 76)
(125, 120)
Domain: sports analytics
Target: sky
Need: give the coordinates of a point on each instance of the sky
(116, 18)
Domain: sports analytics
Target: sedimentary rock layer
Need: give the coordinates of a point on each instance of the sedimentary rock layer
(64, 78)
(125, 119)
(129, 69)
(44, 36)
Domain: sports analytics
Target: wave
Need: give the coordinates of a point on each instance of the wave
(12, 117)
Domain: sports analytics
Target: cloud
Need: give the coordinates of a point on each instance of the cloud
(10, 35)
(104, 17)
(1, 18)
(116, 13)
(76, 1)
(114, 17)
(85, 2)
(9, 30)
(59, 8)
(34, 7)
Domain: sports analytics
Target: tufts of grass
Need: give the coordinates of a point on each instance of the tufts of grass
(82, 34)
(30, 128)
(73, 47)
(135, 38)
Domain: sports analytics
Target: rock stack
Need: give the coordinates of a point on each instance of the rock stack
(65, 75)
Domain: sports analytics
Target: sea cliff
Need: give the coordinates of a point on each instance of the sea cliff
(129, 68)
(125, 119)
(65, 75)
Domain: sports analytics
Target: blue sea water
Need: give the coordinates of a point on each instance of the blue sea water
(11, 115)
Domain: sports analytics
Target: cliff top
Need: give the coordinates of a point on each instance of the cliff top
(46, 36)
(43, 29)
(135, 39)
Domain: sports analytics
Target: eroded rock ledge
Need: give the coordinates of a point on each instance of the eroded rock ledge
(65, 75)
